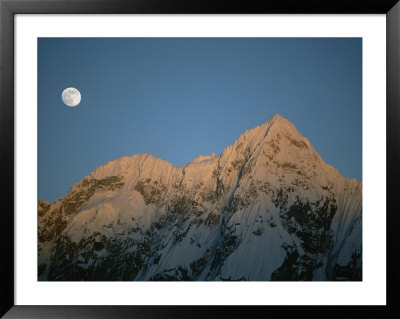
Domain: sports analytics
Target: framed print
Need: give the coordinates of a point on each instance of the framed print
(166, 157)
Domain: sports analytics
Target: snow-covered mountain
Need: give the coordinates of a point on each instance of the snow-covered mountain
(267, 208)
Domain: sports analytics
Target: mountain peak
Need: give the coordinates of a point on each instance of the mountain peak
(277, 121)
(267, 208)
(275, 127)
(277, 117)
(284, 124)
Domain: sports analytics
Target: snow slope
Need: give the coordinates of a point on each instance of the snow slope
(267, 208)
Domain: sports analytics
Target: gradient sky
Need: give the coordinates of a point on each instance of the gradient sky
(180, 98)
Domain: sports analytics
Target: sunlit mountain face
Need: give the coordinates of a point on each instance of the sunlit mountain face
(267, 208)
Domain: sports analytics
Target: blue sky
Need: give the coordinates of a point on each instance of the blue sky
(180, 98)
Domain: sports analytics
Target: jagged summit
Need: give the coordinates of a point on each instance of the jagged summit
(276, 125)
(267, 208)
(278, 118)
(283, 123)
(277, 121)
(268, 150)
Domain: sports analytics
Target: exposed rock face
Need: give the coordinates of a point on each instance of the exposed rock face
(267, 208)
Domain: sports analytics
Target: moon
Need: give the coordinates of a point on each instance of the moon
(71, 97)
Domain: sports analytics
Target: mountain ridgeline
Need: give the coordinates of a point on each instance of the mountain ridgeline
(268, 208)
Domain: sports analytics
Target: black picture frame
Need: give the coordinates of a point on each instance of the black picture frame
(8, 8)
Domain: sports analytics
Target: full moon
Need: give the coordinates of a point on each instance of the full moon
(71, 97)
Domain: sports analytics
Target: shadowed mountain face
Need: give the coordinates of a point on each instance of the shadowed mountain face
(267, 208)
